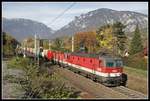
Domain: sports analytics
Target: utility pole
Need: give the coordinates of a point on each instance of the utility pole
(35, 47)
(38, 48)
(24, 49)
(72, 44)
(49, 44)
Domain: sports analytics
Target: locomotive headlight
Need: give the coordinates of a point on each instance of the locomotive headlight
(114, 70)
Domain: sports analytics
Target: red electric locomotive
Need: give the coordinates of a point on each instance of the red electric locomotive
(105, 69)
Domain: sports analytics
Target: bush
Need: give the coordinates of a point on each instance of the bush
(136, 61)
(17, 62)
(37, 82)
(43, 85)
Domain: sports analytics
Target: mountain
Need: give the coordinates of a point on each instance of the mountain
(144, 11)
(95, 19)
(23, 28)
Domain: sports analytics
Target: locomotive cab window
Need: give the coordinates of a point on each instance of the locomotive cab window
(110, 64)
(119, 63)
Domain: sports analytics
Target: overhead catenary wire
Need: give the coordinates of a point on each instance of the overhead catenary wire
(62, 13)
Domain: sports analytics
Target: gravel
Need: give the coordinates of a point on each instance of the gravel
(11, 90)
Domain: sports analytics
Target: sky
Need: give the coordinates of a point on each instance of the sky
(46, 12)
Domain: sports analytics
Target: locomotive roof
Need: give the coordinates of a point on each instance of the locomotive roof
(100, 55)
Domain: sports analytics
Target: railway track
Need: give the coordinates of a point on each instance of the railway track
(99, 90)
(96, 90)
(129, 92)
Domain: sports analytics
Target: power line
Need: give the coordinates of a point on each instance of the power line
(63, 12)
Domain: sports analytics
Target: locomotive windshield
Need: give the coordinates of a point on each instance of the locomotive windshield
(119, 63)
(114, 63)
(109, 64)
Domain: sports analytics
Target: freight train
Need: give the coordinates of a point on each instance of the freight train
(102, 68)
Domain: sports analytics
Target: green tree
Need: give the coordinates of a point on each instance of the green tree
(67, 42)
(9, 44)
(120, 37)
(136, 42)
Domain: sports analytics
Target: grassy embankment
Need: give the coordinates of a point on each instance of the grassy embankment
(136, 72)
(137, 79)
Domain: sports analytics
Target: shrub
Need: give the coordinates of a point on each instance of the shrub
(18, 62)
(136, 61)
(43, 85)
(37, 82)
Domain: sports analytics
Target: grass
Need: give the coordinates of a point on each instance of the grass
(136, 72)
(137, 79)
(17, 63)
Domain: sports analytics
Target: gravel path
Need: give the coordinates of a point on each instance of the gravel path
(10, 90)
(129, 92)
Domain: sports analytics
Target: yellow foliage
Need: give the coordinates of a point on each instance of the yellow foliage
(87, 39)
(105, 37)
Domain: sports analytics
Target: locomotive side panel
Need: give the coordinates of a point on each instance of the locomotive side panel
(49, 54)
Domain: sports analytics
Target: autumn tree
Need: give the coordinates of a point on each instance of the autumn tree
(46, 44)
(86, 40)
(105, 37)
(30, 42)
(67, 41)
(136, 42)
